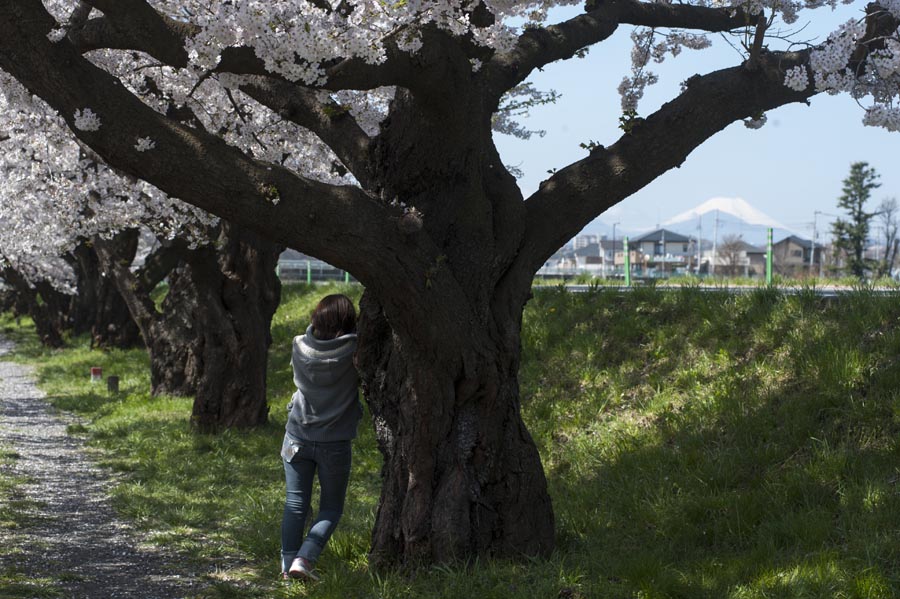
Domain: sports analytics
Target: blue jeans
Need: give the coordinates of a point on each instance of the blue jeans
(332, 460)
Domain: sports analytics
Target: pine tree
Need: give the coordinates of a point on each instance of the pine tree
(850, 235)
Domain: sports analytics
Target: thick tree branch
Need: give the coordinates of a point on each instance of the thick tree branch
(160, 263)
(331, 122)
(342, 225)
(680, 16)
(350, 73)
(133, 25)
(136, 296)
(538, 47)
(575, 195)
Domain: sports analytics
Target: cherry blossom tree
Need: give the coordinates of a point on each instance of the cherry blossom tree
(54, 202)
(361, 133)
(71, 236)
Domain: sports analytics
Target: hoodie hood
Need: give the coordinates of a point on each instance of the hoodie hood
(326, 404)
(321, 363)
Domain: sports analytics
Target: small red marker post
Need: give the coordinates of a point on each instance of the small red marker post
(96, 374)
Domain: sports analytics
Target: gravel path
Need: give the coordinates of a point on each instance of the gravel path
(72, 535)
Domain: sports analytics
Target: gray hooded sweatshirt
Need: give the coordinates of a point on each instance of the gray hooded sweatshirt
(326, 405)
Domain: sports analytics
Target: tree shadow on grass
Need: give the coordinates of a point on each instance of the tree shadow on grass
(775, 478)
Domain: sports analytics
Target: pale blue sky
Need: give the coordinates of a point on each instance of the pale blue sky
(790, 168)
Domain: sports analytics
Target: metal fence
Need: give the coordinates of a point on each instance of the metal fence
(310, 271)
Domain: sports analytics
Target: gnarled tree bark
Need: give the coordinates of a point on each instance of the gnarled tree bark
(47, 313)
(210, 337)
(461, 474)
(98, 308)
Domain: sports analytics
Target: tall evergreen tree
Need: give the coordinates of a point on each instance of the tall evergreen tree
(850, 235)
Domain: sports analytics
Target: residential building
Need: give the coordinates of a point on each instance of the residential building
(736, 258)
(583, 241)
(663, 250)
(662, 242)
(791, 256)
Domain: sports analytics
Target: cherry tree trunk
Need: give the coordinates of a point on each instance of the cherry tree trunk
(461, 474)
(237, 292)
(48, 321)
(171, 338)
(212, 338)
(99, 308)
(7, 300)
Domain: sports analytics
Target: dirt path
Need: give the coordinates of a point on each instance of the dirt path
(71, 534)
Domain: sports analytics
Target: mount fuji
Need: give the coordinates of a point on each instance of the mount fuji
(728, 216)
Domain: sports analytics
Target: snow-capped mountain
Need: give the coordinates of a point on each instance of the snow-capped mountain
(735, 216)
(728, 216)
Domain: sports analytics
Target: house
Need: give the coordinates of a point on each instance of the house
(663, 249)
(737, 258)
(602, 258)
(582, 241)
(791, 256)
(662, 242)
(585, 258)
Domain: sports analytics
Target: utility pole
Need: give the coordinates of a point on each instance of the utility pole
(812, 254)
(699, 241)
(664, 253)
(815, 233)
(712, 264)
(613, 249)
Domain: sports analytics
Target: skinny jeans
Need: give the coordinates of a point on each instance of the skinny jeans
(331, 462)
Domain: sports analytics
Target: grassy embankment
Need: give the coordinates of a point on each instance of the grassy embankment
(696, 445)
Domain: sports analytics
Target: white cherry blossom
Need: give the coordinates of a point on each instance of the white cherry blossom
(86, 120)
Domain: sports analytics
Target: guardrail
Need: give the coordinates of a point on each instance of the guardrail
(821, 291)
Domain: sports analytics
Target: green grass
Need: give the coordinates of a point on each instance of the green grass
(696, 445)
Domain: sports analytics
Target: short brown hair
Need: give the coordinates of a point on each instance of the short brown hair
(334, 316)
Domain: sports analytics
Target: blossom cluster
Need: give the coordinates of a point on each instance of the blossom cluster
(295, 38)
(651, 44)
(878, 78)
(756, 122)
(829, 61)
(144, 143)
(86, 120)
(883, 116)
(829, 65)
(219, 105)
(56, 192)
(797, 78)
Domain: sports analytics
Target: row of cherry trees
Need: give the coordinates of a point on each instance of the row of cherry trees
(360, 132)
(72, 229)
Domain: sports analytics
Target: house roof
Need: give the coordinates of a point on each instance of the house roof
(749, 248)
(591, 249)
(609, 245)
(804, 243)
(657, 236)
